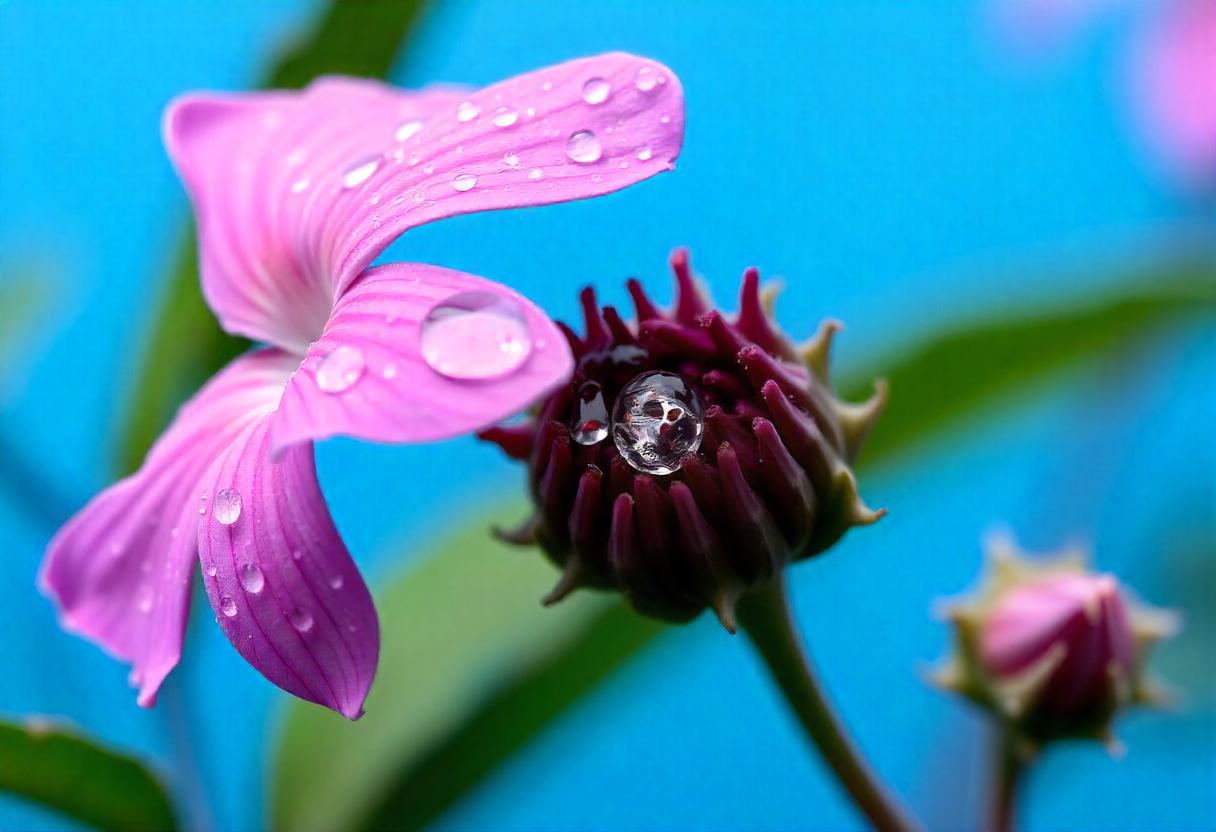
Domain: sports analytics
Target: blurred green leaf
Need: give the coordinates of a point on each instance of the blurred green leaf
(63, 771)
(186, 345)
(22, 298)
(473, 667)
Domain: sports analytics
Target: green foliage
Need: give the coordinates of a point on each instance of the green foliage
(186, 345)
(66, 772)
(472, 667)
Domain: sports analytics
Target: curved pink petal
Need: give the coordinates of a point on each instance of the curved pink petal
(261, 168)
(120, 569)
(1174, 85)
(297, 193)
(284, 588)
(368, 374)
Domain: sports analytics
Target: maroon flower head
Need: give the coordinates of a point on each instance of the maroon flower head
(692, 455)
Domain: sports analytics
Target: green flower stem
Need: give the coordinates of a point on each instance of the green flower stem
(1007, 769)
(764, 614)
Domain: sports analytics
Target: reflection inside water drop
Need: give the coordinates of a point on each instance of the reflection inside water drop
(657, 422)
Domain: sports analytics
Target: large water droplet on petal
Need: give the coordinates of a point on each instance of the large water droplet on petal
(505, 117)
(596, 91)
(657, 422)
(408, 130)
(227, 605)
(340, 369)
(590, 423)
(583, 147)
(251, 578)
(646, 79)
(227, 505)
(360, 172)
(475, 335)
(301, 619)
(464, 182)
(467, 111)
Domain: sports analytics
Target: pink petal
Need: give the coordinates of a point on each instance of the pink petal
(263, 169)
(120, 569)
(284, 588)
(1174, 84)
(368, 374)
(297, 193)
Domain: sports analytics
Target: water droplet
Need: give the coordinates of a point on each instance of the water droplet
(212, 570)
(300, 185)
(535, 174)
(336, 582)
(413, 158)
(296, 554)
(596, 91)
(251, 578)
(548, 85)
(510, 160)
(467, 111)
(301, 619)
(360, 172)
(646, 79)
(657, 422)
(227, 606)
(644, 154)
(227, 505)
(505, 117)
(664, 119)
(475, 335)
(407, 130)
(583, 147)
(464, 182)
(144, 603)
(340, 369)
(390, 371)
(590, 423)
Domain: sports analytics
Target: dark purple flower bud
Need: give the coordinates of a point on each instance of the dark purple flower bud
(1053, 647)
(692, 455)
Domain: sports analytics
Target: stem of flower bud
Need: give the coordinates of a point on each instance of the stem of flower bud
(1007, 768)
(765, 615)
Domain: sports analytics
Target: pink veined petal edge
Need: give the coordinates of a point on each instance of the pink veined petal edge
(120, 569)
(297, 193)
(394, 395)
(285, 590)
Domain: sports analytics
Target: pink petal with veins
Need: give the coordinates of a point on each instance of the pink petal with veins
(284, 588)
(379, 373)
(120, 569)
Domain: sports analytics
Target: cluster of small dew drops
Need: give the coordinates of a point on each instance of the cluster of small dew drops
(471, 336)
(656, 423)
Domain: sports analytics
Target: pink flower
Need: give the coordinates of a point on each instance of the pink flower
(296, 194)
(1074, 628)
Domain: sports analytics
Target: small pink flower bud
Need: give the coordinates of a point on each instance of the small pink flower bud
(1074, 627)
(1051, 648)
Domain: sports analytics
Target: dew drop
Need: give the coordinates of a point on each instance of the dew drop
(144, 603)
(657, 422)
(590, 423)
(336, 582)
(467, 111)
(212, 570)
(505, 117)
(583, 147)
(300, 185)
(536, 174)
(301, 619)
(664, 119)
(227, 506)
(360, 172)
(511, 160)
(464, 182)
(475, 335)
(251, 578)
(646, 79)
(389, 371)
(227, 606)
(644, 154)
(340, 369)
(596, 91)
(408, 130)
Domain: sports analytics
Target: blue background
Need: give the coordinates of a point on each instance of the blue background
(891, 161)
